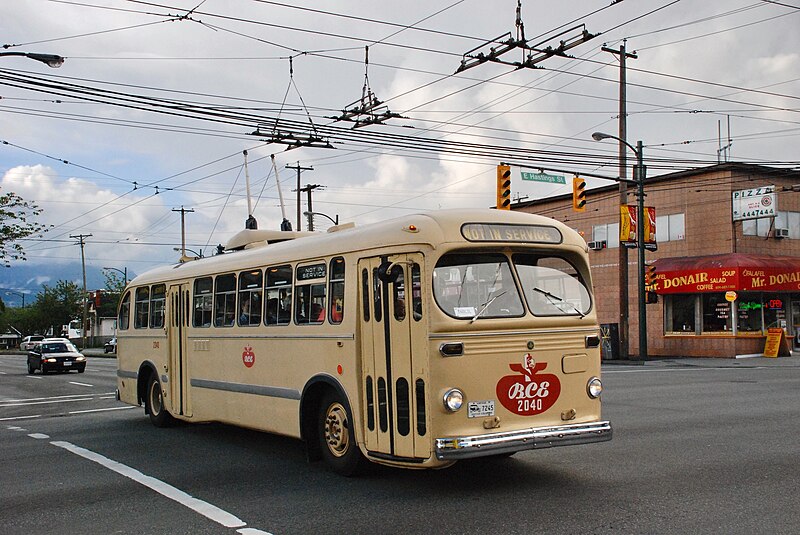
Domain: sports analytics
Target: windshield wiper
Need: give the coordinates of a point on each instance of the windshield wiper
(554, 299)
(486, 305)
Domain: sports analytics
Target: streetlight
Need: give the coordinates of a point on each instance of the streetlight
(22, 295)
(332, 220)
(639, 172)
(51, 60)
(124, 273)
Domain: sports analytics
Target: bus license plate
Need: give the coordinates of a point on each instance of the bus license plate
(480, 409)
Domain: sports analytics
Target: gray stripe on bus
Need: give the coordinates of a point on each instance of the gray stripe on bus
(270, 391)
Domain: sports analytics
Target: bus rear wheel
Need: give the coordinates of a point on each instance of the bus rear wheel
(155, 404)
(336, 436)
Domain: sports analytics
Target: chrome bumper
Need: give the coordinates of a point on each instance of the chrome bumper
(450, 449)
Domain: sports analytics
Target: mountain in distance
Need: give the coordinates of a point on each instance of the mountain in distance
(27, 278)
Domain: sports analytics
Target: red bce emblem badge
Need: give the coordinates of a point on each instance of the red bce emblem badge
(530, 392)
(248, 357)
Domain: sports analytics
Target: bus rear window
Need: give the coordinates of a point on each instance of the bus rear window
(473, 286)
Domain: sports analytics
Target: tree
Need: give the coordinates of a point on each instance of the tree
(115, 285)
(56, 306)
(15, 225)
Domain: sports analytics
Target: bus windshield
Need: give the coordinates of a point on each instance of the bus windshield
(475, 286)
(472, 286)
(552, 286)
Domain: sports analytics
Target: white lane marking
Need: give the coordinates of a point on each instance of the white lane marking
(44, 402)
(3, 373)
(34, 377)
(252, 531)
(15, 428)
(102, 410)
(209, 511)
(58, 397)
(79, 384)
(20, 418)
(39, 436)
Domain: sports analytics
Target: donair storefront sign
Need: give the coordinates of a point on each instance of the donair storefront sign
(754, 203)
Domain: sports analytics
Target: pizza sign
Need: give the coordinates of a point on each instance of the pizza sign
(529, 392)
(248, 357)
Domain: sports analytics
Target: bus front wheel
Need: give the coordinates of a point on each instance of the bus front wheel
(155, 404)
(336, 436)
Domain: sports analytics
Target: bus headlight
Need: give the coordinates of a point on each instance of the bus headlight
(453, 399)
(594, 387)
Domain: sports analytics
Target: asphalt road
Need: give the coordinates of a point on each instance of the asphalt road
(699, 447)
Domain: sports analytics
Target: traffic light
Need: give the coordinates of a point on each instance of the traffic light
(503, 187)
(650, 275)
(578, 194)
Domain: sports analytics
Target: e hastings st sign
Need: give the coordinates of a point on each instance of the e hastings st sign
(754, 203)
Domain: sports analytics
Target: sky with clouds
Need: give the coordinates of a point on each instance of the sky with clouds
(113, 167)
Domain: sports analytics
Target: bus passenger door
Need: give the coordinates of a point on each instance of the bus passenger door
(177, 325)
(394, 367)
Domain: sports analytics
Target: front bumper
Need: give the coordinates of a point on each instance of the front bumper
(454, 448)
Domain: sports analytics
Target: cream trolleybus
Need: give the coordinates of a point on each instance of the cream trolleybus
(413, 342)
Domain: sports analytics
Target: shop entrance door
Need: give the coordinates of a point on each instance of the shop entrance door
(795, 323)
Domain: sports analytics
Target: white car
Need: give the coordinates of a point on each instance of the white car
(29, 342)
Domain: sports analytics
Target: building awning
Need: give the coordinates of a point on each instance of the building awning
(721, 273)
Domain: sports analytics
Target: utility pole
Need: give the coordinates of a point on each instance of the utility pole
(299, 169)
(183, 212)
(308, 189)
(81, 238)
(624, 312)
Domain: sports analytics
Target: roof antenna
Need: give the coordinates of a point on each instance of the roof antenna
(286, 225)
(251, 223)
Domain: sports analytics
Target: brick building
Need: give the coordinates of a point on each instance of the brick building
(702, 255)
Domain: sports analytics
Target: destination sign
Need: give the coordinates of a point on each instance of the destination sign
(510, 233)
(315, 271)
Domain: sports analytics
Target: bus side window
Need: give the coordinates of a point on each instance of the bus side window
(365, 293)
(309, 290)
(376, 296)
(250, 291)
(399, 295)
(203, 298)
(123, 321)
(225, 300)
(142, 308)
(416, 292)
(278, 304)
(336, 291)
(158, 298)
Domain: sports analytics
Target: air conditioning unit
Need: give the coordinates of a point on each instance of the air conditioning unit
(597, 245)
(781, 232)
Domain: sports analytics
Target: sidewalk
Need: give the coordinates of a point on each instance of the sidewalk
(710, 362)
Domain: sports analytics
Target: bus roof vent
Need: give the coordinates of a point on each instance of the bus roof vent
(343, 226)
(250, 238)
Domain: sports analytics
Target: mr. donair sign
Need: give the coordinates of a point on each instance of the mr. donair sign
(754, 203)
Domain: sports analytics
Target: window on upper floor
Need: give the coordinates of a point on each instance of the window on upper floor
(763, 226)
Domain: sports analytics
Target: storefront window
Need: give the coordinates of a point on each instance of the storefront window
(716, 313)
(748, 312)
(774, 310)
(681, 314)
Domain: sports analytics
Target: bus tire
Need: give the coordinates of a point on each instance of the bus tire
(154, 404)
(336, 436)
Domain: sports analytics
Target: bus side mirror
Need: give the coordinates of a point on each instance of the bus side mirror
(389, 272)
